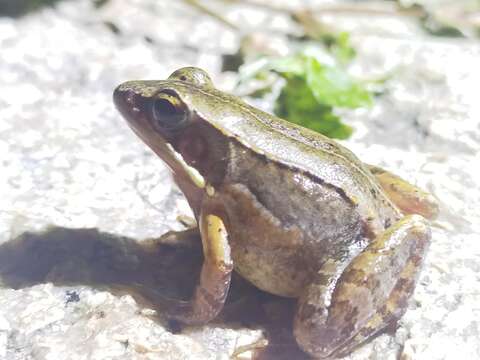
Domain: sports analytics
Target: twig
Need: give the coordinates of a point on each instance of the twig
(199, 6)
(260, 5)
(339, 9)
(367, 11)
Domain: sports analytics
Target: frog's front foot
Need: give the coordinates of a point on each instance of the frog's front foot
(188, 238)
(211, 292)
(340, 310)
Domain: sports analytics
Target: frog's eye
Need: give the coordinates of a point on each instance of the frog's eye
(169, 112)
(192, 75)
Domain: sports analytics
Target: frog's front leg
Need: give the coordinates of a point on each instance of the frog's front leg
(409, 198)
(340, 309)
(210, 293)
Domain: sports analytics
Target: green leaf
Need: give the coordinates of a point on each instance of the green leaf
(312, 90)
(342, 49)
(290, 66)
(334, 87)
(297, 104)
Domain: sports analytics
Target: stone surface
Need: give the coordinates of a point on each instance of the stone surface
(69, 161)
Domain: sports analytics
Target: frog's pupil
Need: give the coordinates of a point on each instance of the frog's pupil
(166, 114)
(163, 107)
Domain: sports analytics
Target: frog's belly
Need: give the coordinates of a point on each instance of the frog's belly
(277, 271)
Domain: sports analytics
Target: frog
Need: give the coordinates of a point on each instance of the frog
(290, 210)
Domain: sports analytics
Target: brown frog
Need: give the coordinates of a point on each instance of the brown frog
(292, 211)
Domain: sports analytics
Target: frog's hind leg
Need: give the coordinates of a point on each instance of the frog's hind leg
(409, 198)
(337, 312)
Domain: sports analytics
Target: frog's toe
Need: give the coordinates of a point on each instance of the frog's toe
(339, 312)
(407, 197)
(189, 238)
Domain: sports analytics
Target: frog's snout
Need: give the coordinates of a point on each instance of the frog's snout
(122, 97)
(125, 100)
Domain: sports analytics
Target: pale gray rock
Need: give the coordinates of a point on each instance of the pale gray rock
(69, 164)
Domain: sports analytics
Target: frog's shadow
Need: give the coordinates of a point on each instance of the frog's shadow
(147, 270)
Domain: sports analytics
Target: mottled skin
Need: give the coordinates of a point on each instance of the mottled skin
(292, 211)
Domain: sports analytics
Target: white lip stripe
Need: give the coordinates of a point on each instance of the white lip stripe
(193, 173)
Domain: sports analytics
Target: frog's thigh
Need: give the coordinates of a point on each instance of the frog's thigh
(337, 313)
(210, 293)
(409, 198)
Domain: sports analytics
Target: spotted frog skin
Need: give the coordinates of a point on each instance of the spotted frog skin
(293, 212)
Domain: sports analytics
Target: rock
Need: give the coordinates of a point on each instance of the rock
(81, 196)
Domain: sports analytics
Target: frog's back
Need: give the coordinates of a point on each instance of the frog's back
(303, 151)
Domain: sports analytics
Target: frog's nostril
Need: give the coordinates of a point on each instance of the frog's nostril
(123, 97)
